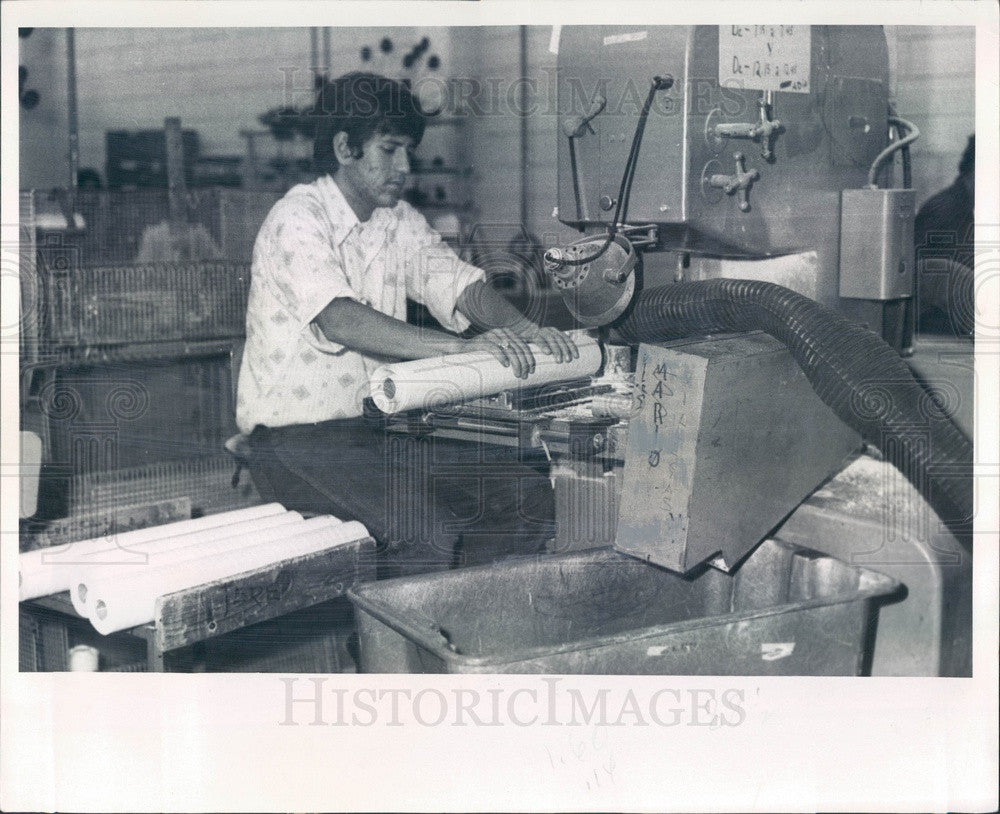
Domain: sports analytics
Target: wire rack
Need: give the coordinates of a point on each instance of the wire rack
(43, 643)
(117, 500)
(28, 644)
(206, 480)
(113, 277)
(311, 640)
(119, 227)
(29, 334)
(103, 524)
(130, 667)
(119, 267)
(155, 302)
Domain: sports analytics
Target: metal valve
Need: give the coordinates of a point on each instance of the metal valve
(740, 182)
(763, 130)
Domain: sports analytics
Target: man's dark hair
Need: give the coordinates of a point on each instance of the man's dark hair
(968, 162)
(362, 105)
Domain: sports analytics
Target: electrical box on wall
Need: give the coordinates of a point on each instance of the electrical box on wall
(876, 243)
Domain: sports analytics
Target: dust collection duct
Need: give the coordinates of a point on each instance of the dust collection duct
(685, 152)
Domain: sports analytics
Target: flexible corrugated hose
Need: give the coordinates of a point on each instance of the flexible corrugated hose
(949, 286)
(855, 373)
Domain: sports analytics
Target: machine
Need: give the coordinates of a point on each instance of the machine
(749, 262)
(741, 142)
(745, 258)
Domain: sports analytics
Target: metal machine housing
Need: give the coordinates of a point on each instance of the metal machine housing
(824, 131)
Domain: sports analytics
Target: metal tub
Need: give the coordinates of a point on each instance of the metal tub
(785, 611)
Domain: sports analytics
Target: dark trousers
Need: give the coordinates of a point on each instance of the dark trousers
(430, 503)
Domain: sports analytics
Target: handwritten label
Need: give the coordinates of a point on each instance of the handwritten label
(584, 764)
(657, 477)
(765, 57)
(240, 598)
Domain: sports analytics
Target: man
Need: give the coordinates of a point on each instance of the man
(944, 238)
(333, 265)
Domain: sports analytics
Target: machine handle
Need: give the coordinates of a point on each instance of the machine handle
(763, 130)
(740, 182)
(576, 126)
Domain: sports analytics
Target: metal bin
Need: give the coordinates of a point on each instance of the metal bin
(785, 610)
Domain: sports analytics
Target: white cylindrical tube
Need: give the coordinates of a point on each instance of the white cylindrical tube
(184, 547)
(190, 561)
(139, 553)
(194, 566)
(126, 603)
(83, 659)
(611, 405)
(432, 383)
(46, 570)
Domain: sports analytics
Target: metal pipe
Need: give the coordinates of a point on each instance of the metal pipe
(174, 143)
(326, 51)
(314, 53)
(912, 136)
(72, 123)
(523, 101)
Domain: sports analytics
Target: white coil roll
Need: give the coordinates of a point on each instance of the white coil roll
(47, 571)
(432, 383)
(125, 603)
(183, 547)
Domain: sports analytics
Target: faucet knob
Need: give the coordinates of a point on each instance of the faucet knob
(741, 181)
(764, 130)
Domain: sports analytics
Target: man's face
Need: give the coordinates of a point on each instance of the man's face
(376, 178)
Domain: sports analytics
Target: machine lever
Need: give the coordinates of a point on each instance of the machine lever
(740, 182)
(763, 130)
(574, 127)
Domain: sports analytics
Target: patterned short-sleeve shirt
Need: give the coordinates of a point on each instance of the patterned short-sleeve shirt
(311, 250)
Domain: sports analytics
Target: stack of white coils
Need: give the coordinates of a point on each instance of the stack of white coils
(115, 581)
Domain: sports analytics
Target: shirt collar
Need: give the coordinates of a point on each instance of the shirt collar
(343, 217)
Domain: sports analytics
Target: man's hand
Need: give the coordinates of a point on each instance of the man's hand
(510, 346)
(552, 341)
(485, 307)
